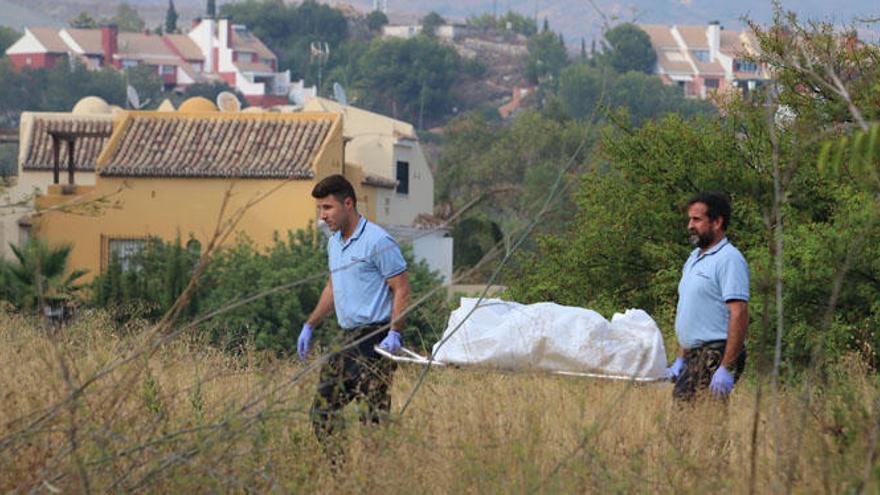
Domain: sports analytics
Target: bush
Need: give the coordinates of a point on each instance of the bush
(627, 243)
(292, 272)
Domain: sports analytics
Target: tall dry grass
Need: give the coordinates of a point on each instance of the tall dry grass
(190, 419)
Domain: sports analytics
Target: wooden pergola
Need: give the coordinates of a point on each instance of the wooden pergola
(70, 138)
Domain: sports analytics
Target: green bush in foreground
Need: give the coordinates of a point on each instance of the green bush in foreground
(289, 275)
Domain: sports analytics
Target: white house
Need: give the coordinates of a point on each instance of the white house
(389, 152)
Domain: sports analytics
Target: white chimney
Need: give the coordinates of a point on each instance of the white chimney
(202, 35)
(207, 44)
(224, 33)
(713, 34)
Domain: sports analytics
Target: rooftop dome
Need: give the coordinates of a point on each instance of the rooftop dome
(197, 104)
(91, 105)
(166, 106)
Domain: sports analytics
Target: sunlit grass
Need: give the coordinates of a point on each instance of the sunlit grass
(193, 419)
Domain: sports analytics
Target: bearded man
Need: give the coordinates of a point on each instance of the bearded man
(712, 315)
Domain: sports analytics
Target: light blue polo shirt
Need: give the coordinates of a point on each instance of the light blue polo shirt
(708, 281)
(359, 268)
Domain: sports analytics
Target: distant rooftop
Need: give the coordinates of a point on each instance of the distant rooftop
(161, 144)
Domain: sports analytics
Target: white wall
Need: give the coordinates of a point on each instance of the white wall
(436, 250)
(203, 36)
(376, 144)
(405, 32)
(404, 208)
(26, 44)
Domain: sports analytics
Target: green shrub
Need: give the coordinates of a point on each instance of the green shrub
(290, 273)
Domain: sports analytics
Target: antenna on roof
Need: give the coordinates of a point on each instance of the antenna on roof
(320, 51)
(228, 102)
(339, 94)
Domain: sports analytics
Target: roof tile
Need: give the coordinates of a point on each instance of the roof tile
(39, 154)
(244, 41)
(248, 146)
(49, 38)
(186, 46)
(88, 39)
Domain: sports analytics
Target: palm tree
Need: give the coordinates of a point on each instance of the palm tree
(38, 278)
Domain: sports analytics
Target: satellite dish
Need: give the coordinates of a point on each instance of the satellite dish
(339, 94)
(228, 102)
(134, 101)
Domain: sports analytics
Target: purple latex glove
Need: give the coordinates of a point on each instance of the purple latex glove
(722, 382)
(676, 369)
(302, 343)
(391, 343)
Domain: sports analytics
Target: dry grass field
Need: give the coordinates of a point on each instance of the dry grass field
(76, 416)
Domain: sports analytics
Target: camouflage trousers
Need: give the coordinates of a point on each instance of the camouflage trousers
(358, 373)
(701, 363)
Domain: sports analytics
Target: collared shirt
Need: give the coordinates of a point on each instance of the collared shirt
(359, 267)
(708, 282)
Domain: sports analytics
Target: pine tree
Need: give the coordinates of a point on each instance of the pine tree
(212, 9)
(171, 18)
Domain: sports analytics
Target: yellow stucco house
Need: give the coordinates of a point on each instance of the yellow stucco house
(171, 173)
(35, 174)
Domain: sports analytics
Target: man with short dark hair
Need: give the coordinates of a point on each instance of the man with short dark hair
(369, 289)
(712, 315)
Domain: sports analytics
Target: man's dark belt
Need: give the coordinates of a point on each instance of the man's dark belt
(717, 345)
(359, 332)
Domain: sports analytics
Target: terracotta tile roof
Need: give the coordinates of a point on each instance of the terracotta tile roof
(661, 36)
(88, 39)
(670, 58)
(678, 66)
(254, 67)
(709, 68)
(143, 46)
(244, 41)
(39, 155)
(186, 46)
(154, 144)
(694, 36)
(49, 38)
(162, 60)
